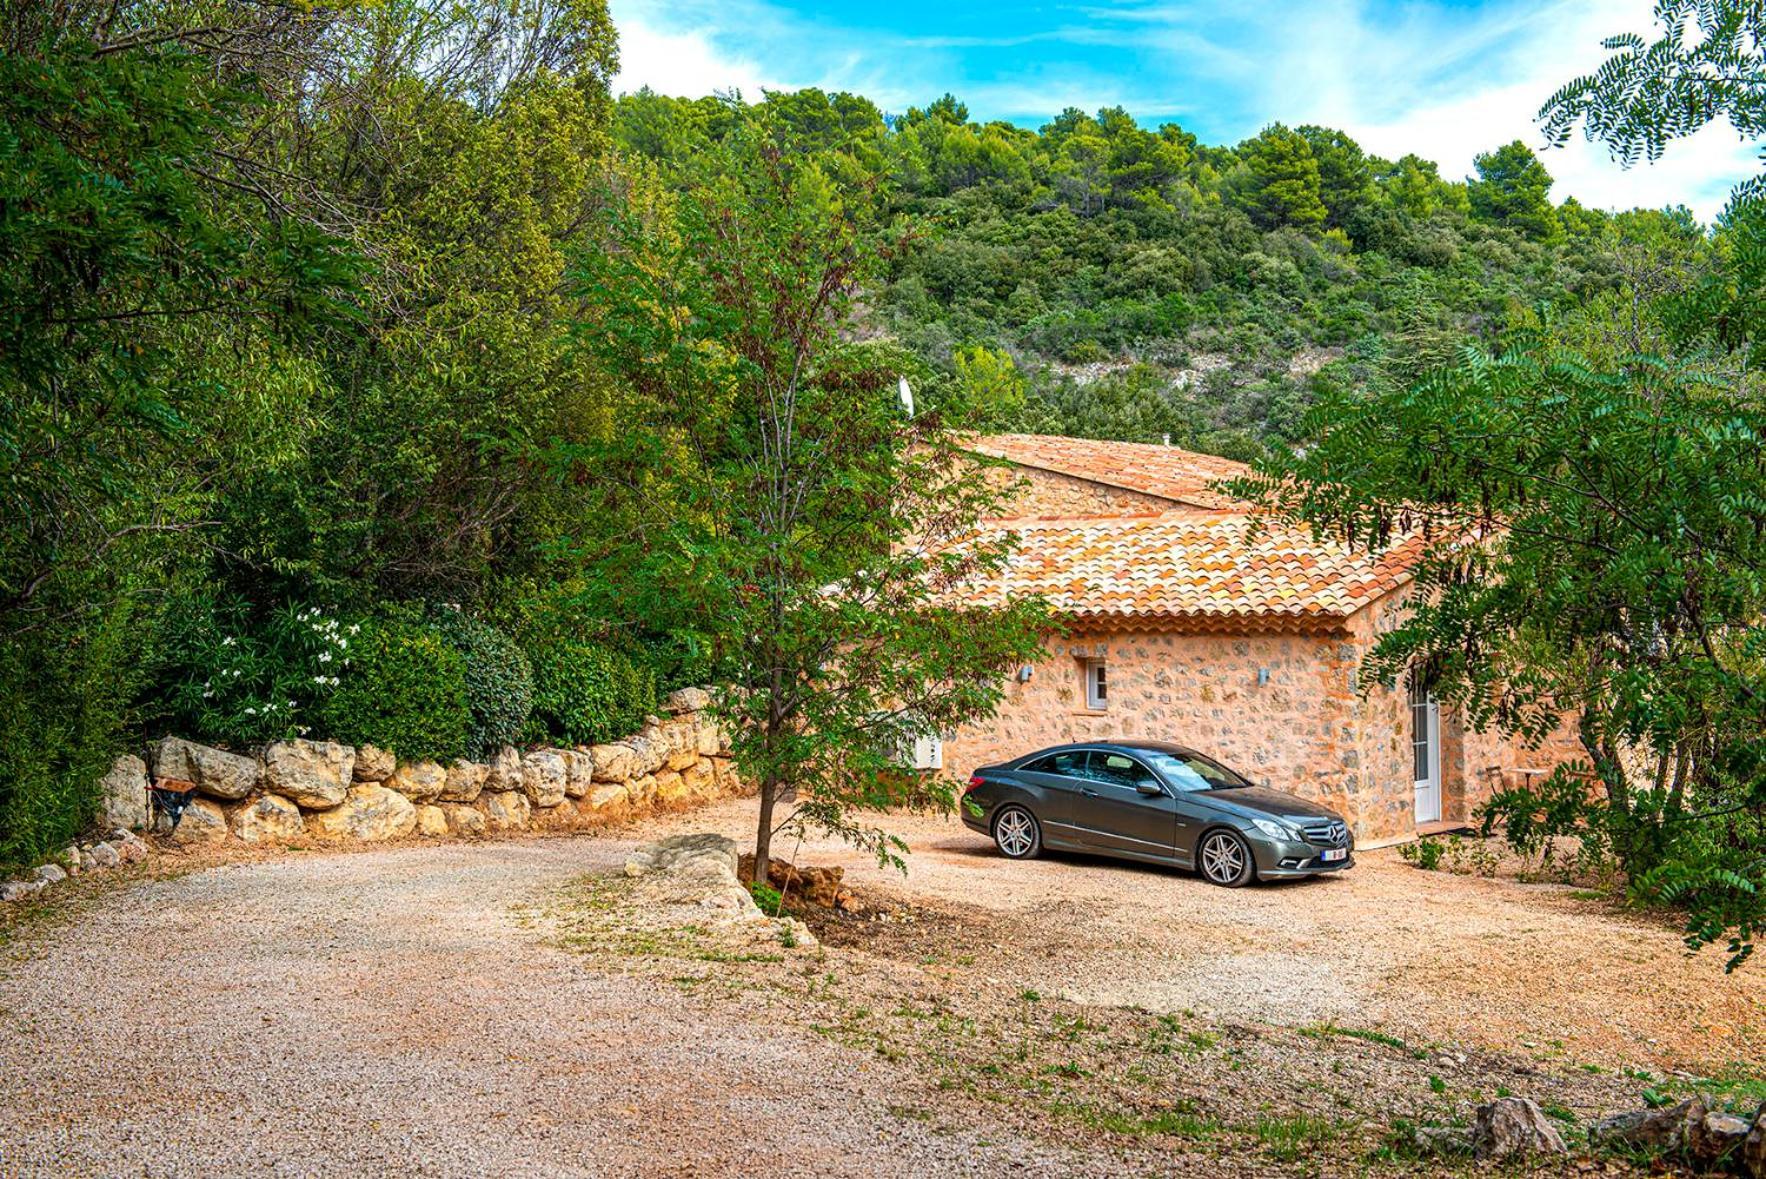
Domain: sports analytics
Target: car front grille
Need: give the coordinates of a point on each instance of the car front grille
(1326, 833)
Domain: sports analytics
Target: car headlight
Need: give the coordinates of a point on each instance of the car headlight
(1276, 829)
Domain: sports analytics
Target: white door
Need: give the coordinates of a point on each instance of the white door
(1425, 746)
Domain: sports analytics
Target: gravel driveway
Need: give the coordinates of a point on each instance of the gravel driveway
(387, 1013)
(393, 1012)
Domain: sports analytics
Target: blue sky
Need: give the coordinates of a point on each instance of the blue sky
(1445, 80)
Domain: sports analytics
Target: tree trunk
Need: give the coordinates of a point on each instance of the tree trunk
(763, 838)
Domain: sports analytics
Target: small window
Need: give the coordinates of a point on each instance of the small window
(1097, 688)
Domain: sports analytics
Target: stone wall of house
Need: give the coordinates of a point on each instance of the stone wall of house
(319, 790)
(1050, 493)
(1301, 729)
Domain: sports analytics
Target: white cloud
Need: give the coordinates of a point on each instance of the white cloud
(686, 63)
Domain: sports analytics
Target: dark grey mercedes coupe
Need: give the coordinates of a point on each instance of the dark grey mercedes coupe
(1157, 802)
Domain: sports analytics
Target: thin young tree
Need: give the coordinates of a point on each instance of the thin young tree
(787, 509)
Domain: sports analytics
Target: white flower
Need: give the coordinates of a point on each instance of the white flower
(335, 681)
(251, 712)
(318, 679)
(324, 657)
(343, 644)
(206, 695)
(354, 627)
(235, 673)
(303, 730)
(227, 642)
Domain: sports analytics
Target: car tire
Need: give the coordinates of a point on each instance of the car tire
(1224, 858)
(1017, 833)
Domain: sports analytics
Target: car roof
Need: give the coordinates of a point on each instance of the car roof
(1129, 745)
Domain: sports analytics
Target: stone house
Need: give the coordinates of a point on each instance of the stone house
(1191, 622)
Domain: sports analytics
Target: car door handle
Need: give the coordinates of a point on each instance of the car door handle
(1088, 792)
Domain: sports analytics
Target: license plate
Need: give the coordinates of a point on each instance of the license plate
(1335, 853)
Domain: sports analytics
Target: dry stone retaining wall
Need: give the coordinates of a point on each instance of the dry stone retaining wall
(319, 790)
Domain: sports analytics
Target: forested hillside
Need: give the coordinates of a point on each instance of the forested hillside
(1100, 278)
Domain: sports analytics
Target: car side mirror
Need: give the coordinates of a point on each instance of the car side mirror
(1150, 789)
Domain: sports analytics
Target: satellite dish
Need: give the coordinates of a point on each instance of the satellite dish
(907, 397)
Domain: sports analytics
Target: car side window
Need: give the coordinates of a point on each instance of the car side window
(1069, 764)
(1118, 769)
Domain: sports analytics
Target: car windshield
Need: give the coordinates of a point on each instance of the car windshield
(1191, 772)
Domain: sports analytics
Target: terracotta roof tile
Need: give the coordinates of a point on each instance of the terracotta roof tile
(1196, 565)
(1181, 476)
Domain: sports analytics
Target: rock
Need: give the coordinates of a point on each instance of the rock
(579, 771)
(463, 819)
(1718, 1139)
(543, 777)
(710, 740)
(709, 856)
(18, 890)
(125, 793)
(670, 787)
(130, 847)
(1753, 1149)
(465, 782)
(50, 874)
(72, 860)
(271, 818)
(504, 772)
(729, 783)
(432, 820)
(419, 781)
(202, 822)
(1654, 1131)
(647, 756)
(699, 779)
(101, 855)
(314, 774)
(605, 794)
(1511, 1126)
(374, 764)
(614, 763)
(370, 812)
(505, 810)
(641, 790)
(213, 772)
(687, 700)
(818, 886)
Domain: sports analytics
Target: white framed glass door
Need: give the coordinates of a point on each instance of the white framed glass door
(1425, 748)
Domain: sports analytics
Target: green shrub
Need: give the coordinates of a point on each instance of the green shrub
(1425, 853)
(585, 693)
(66, 710)
(405, 691)
(499, 681)
(239, 680)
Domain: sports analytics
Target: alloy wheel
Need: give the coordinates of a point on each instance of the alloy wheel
(1015, 832)
(1224, 858)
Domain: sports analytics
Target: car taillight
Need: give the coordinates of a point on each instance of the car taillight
(976, 781)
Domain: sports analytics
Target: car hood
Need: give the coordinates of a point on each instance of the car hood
(1260, 800)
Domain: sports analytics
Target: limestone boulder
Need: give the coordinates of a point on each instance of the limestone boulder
(671, 788)
(465, 782)
(370, 812)
(641, 791)
(419, 781)
(431, 820)
(213, 772)
(125, 793)
(268, 819)
(202, 822)
(18, 890)
(314, 774)
(709, 739)
(647, 755)
(1753, 1147)
(463, 819)
(605, 795)
(374, 764)
(614, 763)
(687, 700)
(1719, 1138)
(579, 771)
(1669, 1130)
(101, 855)
(505, 810)
(699, 779)
(1511, 1127)
(49, 874)
(543, 777)
(504, 771)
